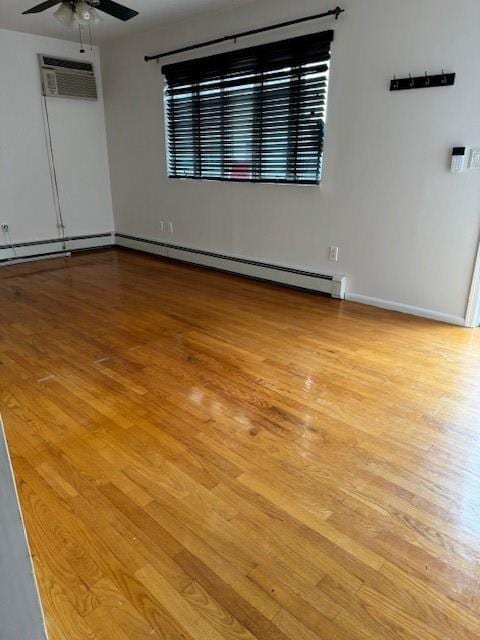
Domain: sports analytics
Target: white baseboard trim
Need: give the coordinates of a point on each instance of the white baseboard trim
(406, 308)
(331, 284)
(14, 253)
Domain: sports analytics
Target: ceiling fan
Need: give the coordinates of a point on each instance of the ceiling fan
(84, 12)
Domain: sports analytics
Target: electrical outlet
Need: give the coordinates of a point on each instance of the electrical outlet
(5, 228)
(170, 227)
(161, 226)
(333, 254)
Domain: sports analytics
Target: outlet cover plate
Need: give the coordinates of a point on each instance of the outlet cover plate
(475, 159)
(333, 254)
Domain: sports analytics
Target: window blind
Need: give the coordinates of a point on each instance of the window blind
(256, 114)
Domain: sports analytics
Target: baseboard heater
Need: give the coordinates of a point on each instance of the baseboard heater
(331, 284)
(19, 252)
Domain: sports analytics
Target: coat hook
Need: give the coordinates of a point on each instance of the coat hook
(425, 81)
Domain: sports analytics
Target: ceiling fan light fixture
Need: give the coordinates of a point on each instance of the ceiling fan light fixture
(84, 13)
(65, 15)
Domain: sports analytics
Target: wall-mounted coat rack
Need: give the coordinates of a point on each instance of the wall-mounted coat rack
(423, 82)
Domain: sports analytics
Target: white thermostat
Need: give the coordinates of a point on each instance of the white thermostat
(458, 159)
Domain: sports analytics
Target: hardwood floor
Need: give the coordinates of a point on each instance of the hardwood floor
(204, 457)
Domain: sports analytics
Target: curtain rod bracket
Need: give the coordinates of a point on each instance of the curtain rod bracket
(333, 12)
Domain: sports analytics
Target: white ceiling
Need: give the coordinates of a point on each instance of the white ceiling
(152, 13)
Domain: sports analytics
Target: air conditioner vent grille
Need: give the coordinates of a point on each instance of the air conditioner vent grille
(76, 86)
(67, 64)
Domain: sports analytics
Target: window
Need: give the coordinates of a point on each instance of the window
(254, 115)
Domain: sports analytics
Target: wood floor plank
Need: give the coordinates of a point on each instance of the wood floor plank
(248, 616)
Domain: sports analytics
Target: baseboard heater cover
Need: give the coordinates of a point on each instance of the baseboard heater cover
(42, 256)
(332, 284)
(38, 249)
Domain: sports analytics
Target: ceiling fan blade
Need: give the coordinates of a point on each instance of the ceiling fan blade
(116, 10)
(42, 7)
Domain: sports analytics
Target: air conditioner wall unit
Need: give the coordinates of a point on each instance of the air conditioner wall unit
(63, 78)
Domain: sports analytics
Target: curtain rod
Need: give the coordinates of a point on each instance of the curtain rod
(333, 12)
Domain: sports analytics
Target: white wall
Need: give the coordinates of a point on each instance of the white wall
(407, 229)
(78, 130)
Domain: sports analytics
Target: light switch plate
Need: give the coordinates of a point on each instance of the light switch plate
(474, 159)
(333, 254)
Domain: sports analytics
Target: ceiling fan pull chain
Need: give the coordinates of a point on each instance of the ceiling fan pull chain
(80, 33)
